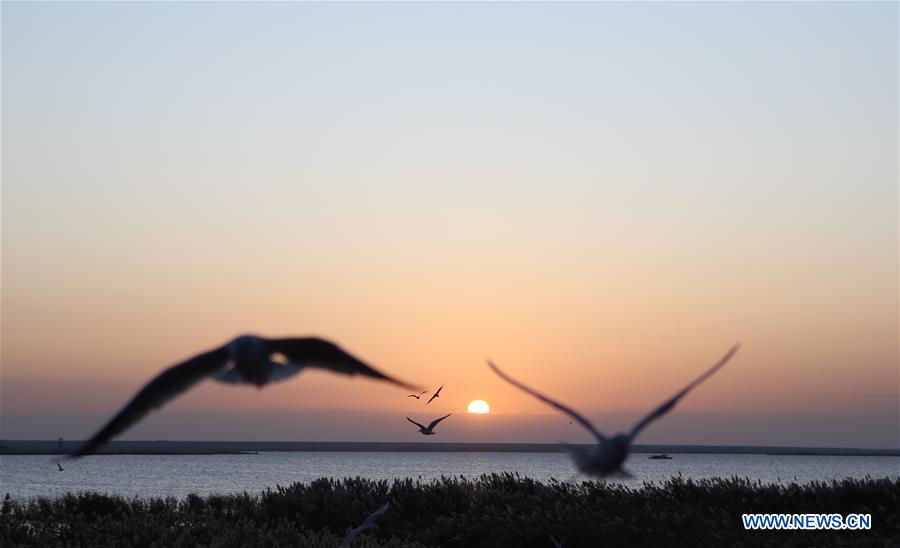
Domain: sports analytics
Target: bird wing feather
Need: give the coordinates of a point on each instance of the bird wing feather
(377, 514)
(351, 536)
(369, 523)
(166, 386)
(552, 403)
(414, 422)
(436, 421)
(436, 394)
(670, 403)
(315, 352)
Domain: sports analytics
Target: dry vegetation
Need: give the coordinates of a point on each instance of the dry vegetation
(494, 510)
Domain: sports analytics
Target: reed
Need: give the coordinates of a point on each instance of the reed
(494, 510)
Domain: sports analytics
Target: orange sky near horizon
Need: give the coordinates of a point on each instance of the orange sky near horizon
(602, 226)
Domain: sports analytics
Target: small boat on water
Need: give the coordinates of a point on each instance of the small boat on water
(660, 457)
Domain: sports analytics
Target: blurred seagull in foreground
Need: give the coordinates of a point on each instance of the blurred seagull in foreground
(436, 394)
(428, 430)
(417, 396)
(366, 525)
(245, 360)
(609, 454)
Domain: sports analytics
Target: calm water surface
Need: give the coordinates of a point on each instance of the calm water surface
(24, 476)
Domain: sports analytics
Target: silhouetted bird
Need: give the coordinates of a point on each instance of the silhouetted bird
(58, 465)
(556, 543)
(367, 525)
(435, 395)
(245, 360)
(417, 396)
(428, 430)
(609, 453)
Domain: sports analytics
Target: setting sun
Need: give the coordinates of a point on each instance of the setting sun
(479, 407)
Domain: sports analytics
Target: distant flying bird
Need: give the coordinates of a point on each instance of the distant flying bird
(609, 453)
(245, 360)
(417, 396)
(428, 430)
(556, 543)
(435, 395)
(570, 423)
(366, 525)
(58, 465)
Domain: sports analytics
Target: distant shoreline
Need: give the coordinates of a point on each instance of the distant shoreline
(51, 447)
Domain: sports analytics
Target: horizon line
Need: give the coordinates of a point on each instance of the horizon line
(237, 446)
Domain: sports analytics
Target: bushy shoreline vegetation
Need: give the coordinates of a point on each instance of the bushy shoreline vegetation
(494, 510)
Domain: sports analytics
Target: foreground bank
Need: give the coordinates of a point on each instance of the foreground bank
(494, 510)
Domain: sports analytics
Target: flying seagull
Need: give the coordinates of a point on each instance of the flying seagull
(609, 453)
(435, 395)
(366, 525)
(58, 465)
(428, 430)
(248, 359)
(417, 396)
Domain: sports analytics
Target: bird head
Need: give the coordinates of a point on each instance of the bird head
(251, 358)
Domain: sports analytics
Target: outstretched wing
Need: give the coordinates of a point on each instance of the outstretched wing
(555, 404)
(437, 392)
(167, 385)
(366, 525)
(668, 405)
(314, 352)
(414, 422)
(377, 514)
(351, 536)
(436, 421)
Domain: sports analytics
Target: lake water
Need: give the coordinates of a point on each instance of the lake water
(25, 476)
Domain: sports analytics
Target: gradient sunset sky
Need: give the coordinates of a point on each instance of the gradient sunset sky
(602, 198)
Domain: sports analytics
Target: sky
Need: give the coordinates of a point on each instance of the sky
(602, 198)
